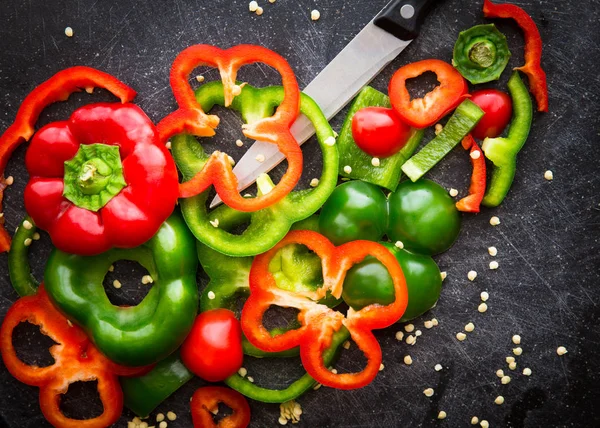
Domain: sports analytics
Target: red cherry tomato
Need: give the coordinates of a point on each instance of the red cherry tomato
(213, 349)
(379, 131)
(497, 107)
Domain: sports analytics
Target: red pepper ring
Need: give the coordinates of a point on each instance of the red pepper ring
(75, 359)
(472, 202)
(58, 88)
(533, 48)
(205, 402)
(190, 118)
(318, 321)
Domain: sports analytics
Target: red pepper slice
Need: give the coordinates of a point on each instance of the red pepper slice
(472, 202)
(426, 111)
(75, 359)
(190, 118)
(533, 48)
(58, 88)
(205, 402)
(318, 321)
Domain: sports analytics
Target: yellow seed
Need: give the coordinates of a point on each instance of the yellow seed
(381, 367)
(315, 15)
(470, 327)
(442, 415)
(259, 10)
(243, 371)
(472, 275)
(492, 251)
(438, 128)
(561, 350)
(484, 296)
(399, 335)
(428, 324)
(314, 182)
(348, 169)
(484, 424)
(516, 339)
(27, 225)
(475, 155)
(171, 416)
(160, 417)
(500, 373)
(428, 392)
(461, 336)
(346, 344)
(409, 328)
(494, 221)
(9, 180)
(453, 192)
(499, 400)
(505, 380)
(69, 32)
(117, 284)
(260, 158)
(375, 162)
(474, 420)
(408, 360)
(438, 367)
(518, 351)
(163, 424)
(330, 141)
(527, 371)
(211, 295)
(200, 78)
(482, 308)
(36, 236)
(548, 175)
(27, 242)
(444, 275)
(510, 359)
(252, 6)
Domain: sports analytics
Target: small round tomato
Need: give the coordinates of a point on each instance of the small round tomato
(497, 107)
(379, 131)
(213, 349)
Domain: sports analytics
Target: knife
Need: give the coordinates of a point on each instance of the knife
(388, 34)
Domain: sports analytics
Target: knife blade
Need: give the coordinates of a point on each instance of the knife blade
(371, 50)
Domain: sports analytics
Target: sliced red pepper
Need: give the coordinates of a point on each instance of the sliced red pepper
(472, 202)
(205, 403)
(533, 48)
(426, 111)
(75, 360)
(58, 88)
(318, 322)
(191, 119)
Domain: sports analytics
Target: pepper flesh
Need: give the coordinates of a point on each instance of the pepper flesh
(205, 404)
(472, 202)
(533, 48)
(75, 360)
(267, 226)
(19, 268)
(191, 119)
(318, 321)
(58, 88)
(503, 151)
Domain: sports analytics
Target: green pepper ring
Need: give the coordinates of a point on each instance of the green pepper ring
(141, 334)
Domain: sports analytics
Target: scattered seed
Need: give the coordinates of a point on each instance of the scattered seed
(561, 350)
(411, 340)
(111, 268)
(9, 180)
(260, 158)
(492, 251)
(330, 141)
(527, 371)
(315, 15)
(500, 373)
(243, 371)
(171, 416)
(259, 10)
(470, 327)
(472, 275)
(461, 336)
(117, 284)
(474, 420)
(434, 321)
(484, 296)
(505, 380)
(314, 182)
(438, 367)
(408, 360)
(231, 160)
(453, 192)
(160, 417)
(347, 169)
(482, 308)
(399, 244)
(428, 324)
(27, 225)
(211, 295)
(69, 323)
(484, 424)
(253, 6)
(69, 32)
(214, 223)
(438, 128)
(89, 89)
(317, 386)
(399, 335)
(163, 424)
(444, 275)
(381, 367)
(428, 392)
(512, 366)
(499, 400)
(516, 339)
(168, 145)
(27, 242)
(494, 265)
(510, 359)
(518, 351)
(548, 175)
(475, 155)
(409, 328)
(418, 333)
(495, 221)
(36, 236)
(147, 279)
(346, 344)
(442, 415)
(375, 162)
(200, 78)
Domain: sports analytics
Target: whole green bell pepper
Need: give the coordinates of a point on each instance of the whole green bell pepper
(137, 335)
(268, 226)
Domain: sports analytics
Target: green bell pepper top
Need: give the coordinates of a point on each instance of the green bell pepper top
(481, 53)
(465, 117)
(503, 151)
(143, 394)
(388, 173)
(137, 335)
(270, 225)
(19, 269)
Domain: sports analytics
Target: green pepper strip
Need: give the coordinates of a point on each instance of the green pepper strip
(503, 151)
(19, 269)
(465, 117)
(481, 53)
(270, 225)
(388, 173)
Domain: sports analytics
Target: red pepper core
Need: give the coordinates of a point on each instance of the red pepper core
(191, 119)
(533, 48)
(472, 202)
(58, 88)
(206, 400)
(318, 321)
(75, 359)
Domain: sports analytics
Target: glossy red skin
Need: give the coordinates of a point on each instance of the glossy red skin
(213, 349)
(127, 220)
(379, 132)
(497, 107)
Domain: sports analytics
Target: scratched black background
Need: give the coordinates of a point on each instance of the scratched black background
(546, 288)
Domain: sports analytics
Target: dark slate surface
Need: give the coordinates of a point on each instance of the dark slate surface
(546, 288)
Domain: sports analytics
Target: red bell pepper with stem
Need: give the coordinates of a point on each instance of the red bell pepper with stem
(100, 180)
(75, 360)
(533, 48)
(191, 119)
(319, 322)
(205, 404)
(472, 202)
(58, 88)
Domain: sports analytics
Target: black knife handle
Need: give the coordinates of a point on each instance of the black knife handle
(403, 18)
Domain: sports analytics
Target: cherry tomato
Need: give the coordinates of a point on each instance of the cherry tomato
(213, 349)
(379, 131)
(497, 107)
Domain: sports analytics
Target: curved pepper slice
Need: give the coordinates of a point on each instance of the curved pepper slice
(472, 202)
(533, 48)
(205, 403)
(58, 88)
(423, 112)
(19, 268)
(191, 119)
(75, 360)
(318, 321)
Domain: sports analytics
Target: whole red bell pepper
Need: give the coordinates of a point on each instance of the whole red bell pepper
(205, 403)
(191, 119)
(58, 88)
(472, 202)
(319, 322)
(100, 179)
(533, 48)
(75, 360)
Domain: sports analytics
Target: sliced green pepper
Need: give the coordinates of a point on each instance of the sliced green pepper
(19, 269)
(388, 173)
(137, 335)
(267, 226)
(503, 151)
(465, 117)
(481, 53)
